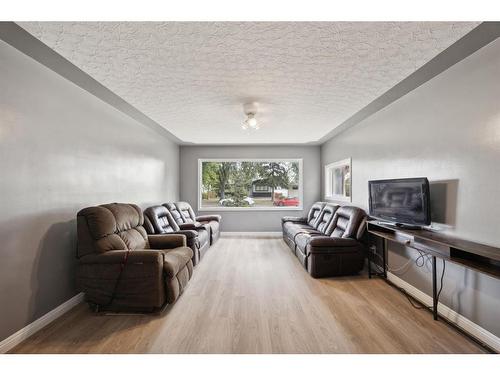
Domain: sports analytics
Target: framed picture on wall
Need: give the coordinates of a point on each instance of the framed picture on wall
(338, 177)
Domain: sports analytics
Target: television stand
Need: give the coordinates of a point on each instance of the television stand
(401, 225)
(476, 256)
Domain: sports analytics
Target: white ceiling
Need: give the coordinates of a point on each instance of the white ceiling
(192, 78)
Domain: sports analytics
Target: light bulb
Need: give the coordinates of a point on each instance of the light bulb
(252, 122)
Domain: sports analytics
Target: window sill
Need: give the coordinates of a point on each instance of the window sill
(294, 208)
(338, 200)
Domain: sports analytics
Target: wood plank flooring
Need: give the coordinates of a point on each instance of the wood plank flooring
(250, 295)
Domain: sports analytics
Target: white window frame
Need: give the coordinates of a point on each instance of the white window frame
(300, 207)
(329, 196)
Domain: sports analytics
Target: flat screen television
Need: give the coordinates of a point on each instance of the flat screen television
(401, 201)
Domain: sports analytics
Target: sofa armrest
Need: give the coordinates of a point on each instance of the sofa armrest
(325, 241)
(294, 219)
(189, 233)
(101, 276)
(217, 218)
(118, 257)
(193, 226)
(166, 241)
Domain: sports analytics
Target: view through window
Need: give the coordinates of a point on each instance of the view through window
(250, 184)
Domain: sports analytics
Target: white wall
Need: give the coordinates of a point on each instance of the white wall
(251, 221)
(448, 130)
(62, 149)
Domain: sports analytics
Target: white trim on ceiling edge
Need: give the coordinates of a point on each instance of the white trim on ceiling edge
(461, 321)
(21, 335)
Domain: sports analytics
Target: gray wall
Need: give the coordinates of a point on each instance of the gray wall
(250, 221)
(62, 149)
(448, 130)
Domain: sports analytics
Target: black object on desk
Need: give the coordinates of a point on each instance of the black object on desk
(473, 255)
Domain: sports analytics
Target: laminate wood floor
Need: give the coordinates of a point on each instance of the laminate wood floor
(251, 295)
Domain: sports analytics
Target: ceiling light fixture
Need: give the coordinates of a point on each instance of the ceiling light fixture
(250, 122)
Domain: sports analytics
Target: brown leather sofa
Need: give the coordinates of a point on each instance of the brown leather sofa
(158, 220)
(183, 214)
(121, 268)
(327, 241)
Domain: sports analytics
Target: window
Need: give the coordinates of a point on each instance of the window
(260, 188)
(249, 184)
(338, 181)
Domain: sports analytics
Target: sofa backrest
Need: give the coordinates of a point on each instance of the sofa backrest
(326, 216)
(186, 211)
(346, 222)
(161, 220)
(114, 226)
(174, 211)
(314, 212)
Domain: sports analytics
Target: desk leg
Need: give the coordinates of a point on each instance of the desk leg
(384, 250)
(369, 264)
(434, 289)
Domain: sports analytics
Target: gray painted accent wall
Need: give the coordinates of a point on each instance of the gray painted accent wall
(448, 129)
(482, 35)
(62, 149)
(19, 38)
(250, 221)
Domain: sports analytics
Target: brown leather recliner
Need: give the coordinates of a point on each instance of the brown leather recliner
(121, 268)
(183, 214)
(330, 245)
(158, 220)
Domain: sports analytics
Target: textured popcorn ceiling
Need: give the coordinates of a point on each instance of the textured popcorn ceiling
(192, 78)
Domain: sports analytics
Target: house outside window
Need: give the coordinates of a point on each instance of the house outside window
(250, 184)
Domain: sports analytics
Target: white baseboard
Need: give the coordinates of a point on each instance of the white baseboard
(461, 321)
(38, 324)
(251, 234)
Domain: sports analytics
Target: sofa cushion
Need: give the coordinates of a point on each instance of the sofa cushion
(161, 220)
(127, 216)
(176, 215)
(291, 229)
(114, 226)
(346, 222)
(314, 213)
(99, 220)
(297, 231)
(186, 212)
(326, 216)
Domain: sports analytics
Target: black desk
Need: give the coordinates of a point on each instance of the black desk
(473, 255)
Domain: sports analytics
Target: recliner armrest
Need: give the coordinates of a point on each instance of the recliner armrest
(325, 241)
(166, 241)
(294, 219)
(217, 218)
(194, 226)
(118, 257)
(189, 233)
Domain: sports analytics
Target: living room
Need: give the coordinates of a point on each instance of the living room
(253, 187)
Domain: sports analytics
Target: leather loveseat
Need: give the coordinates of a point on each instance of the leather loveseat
(158, 220)
(183, 214)
(121, 268)
(327, 241)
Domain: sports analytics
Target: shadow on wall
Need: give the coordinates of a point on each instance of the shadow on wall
(444, 202)
(53, 272)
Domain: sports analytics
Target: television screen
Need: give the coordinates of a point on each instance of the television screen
(403, 201)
